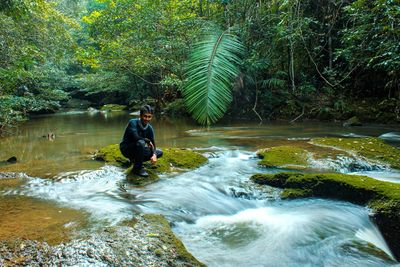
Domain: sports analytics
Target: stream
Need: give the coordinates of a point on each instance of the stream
(222, 218)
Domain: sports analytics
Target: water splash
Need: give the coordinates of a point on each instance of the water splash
(94, 191)
(373, 236)
(346, 164)
(392, 136)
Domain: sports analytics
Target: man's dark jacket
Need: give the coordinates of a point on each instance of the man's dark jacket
(135, 131)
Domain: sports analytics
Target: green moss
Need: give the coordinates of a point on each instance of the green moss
(166, 235)
(113, 107)
(112, 154)
(382, 197)
(295, 193)
(173, 160)
(373, 149)
(130, 223)
(289, 157)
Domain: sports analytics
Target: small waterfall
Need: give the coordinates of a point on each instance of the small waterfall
(373, 236)
(346, 164)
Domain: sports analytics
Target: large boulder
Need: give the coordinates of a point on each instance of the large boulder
(173, 160)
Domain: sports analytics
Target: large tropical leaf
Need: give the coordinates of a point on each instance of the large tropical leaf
(211, 69)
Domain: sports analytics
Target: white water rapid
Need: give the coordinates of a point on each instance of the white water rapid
(223, 218)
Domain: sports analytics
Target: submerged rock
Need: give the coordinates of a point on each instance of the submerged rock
(12, 160)
(146, 241)
(382, 197)
(173, 160)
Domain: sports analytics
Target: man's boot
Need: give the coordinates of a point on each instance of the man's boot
(141, 172)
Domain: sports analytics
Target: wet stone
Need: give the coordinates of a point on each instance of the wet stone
(130, 246)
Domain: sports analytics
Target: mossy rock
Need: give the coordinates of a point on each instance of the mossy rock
(373, 149)
(165, 234)
(113, 107)
(353, 121)
(382, 197)
(111, 154)
(289, 157)
(173, 160)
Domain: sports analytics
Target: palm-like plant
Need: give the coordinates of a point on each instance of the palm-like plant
(211, 69)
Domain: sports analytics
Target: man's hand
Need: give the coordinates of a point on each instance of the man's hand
(153, 159)
(151, 145)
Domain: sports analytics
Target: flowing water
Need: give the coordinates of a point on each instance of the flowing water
(222, 218)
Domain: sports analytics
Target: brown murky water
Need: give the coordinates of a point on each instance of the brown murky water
(78, 135)
(29, 218)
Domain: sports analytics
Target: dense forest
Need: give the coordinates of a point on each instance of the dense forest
(270, 59)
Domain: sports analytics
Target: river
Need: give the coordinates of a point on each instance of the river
(222, 218)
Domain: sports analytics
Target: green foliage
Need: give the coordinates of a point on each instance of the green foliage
(143, 41)
(9, 114)
(212, 66)
(36, 46)
(371, 40)
(300, 55)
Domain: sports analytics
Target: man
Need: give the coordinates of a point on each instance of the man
(138, 142)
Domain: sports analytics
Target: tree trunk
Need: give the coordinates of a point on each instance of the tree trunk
(291, 64)
(200, 8)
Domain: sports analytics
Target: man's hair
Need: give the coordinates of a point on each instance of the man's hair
(146, 109)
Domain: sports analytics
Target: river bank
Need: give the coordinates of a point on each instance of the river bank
(146, 240)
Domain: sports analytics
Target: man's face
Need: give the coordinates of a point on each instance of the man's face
(146, 118)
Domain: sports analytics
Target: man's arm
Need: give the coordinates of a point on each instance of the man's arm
(133, 132)
(151, 137)
(153, 158)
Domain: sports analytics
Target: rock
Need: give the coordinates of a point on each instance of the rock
(382, 197)
(113, 107)
(353, 121)
(92, 110)
(130, 247)
(13, 159)
(289, 157)
(173, 160)
(373, 149)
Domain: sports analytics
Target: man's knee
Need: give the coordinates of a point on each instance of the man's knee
(141, 143)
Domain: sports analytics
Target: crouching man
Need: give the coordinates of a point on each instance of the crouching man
(138, 142)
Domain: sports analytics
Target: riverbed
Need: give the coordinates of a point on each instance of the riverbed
(222, 218)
